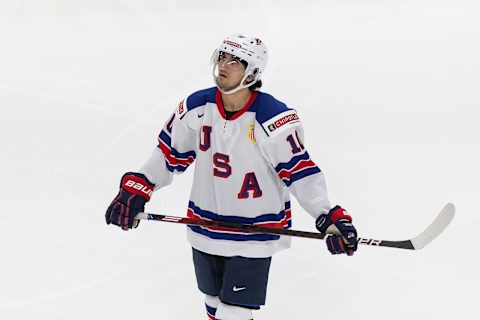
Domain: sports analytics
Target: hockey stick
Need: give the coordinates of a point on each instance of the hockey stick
(436, 227)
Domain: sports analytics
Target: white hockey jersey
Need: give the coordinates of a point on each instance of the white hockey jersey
(245, 169)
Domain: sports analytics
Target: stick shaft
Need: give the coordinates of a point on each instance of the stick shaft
(406, 244)
(436, 227)
(230, 226)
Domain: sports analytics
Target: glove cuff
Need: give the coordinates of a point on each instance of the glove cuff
(335, 214)
(322, 223)
(137, 184)
(338, 213)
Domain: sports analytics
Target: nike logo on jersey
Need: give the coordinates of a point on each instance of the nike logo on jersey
(200, 115)
(236, 289)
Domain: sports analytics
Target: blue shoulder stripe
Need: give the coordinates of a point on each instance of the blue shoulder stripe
(200, 98)
(268, 107)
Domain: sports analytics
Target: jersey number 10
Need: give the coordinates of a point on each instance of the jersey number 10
(295, 143)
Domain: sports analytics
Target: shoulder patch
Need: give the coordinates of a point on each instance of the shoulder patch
(281, 122)
(181, 109)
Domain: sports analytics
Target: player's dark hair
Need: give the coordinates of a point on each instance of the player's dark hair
(257, 85)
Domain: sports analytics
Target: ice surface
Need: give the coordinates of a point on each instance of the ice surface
(388, 94)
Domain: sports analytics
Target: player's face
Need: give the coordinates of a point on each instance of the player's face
(230, 71)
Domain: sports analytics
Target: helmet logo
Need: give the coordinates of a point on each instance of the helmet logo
(233, 44)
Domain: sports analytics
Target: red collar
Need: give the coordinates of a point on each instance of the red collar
(218, 100)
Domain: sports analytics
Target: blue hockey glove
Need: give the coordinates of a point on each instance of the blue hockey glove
(135, 191)
(342, 234)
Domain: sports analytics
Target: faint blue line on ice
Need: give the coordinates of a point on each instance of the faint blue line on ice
(173, 98)
(58, 98)
(59, 271)
(75, 289)
(43, 151)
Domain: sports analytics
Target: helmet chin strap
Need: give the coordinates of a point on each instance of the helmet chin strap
(239, 87)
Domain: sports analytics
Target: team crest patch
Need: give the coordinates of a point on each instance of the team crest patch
(181, 108)
(251, 133)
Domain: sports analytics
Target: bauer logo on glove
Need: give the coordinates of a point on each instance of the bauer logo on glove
(135, 191)
(138, 186)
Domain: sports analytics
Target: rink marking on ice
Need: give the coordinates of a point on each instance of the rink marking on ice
(47, 161)
(146, 117)
(63, 99)
(82, 287)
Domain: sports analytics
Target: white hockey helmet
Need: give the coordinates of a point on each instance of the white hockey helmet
(251, 50)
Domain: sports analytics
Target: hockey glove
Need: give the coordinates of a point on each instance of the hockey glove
(135, 191)
(342, 234)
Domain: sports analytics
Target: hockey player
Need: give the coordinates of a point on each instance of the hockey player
(250, 156)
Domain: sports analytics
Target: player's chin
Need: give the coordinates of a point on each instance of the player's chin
(228, 85)
(223, 82)
(225, 87)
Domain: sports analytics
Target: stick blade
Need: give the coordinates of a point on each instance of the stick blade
(440, 223)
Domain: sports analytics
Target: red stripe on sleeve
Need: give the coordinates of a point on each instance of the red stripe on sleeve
(286, 174)
(171, 158)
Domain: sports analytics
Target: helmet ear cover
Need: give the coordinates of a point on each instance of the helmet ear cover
(250, 79)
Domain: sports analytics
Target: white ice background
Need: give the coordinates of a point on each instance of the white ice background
(388, 92)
